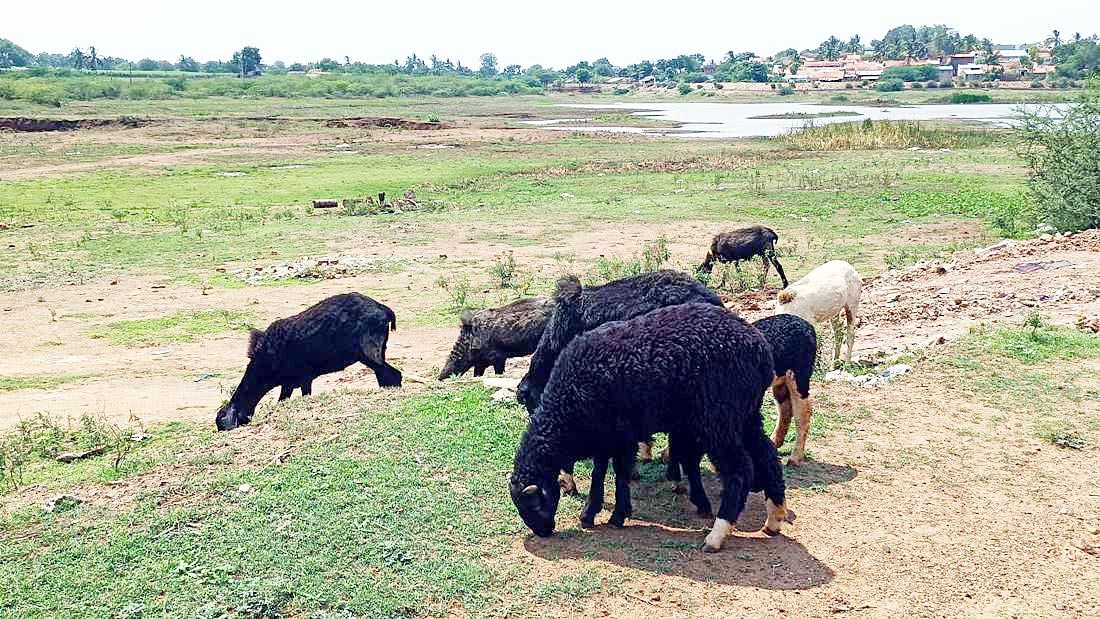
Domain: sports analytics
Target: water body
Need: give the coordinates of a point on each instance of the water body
(735, 120)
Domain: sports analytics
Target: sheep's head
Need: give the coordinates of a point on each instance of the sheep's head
(465, 349)
(537, 503)
(230, 416)
(565, 323)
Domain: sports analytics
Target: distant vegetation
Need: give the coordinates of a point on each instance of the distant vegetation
(58, 86)
(1064, 156)
(969, 97)
(914, 73)
(891, 134)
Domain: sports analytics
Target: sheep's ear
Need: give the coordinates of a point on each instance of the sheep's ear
(467, 318)
(255, 339)
(531, 490)
(568, 289)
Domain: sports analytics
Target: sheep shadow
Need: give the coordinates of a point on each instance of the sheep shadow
(812, 474)
(748, 558)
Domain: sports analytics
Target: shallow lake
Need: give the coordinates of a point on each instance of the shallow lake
(739, 120)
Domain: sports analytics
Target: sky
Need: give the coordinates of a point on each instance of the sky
(554, 34)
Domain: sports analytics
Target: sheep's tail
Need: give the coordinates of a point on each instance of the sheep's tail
(391, 318)
(787, 295)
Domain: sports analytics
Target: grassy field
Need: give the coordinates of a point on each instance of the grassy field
(128, 273)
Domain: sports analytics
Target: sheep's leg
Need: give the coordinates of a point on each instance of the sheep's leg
(498, 366)
(836, 328)
(285, 392)
(850, 318)
(804, 406)
(623, 462)
(779, 269)
(384, 373)
(479, 370)
(672, 464)
(594, 503)
(566, 481)
(735, 469)
(767, 266)
(767, 474)
(307, 387)
(645, 450)
(689, 455)
(782, 397)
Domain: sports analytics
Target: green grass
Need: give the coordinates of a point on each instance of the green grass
(405, 513)
(1028, 372)
(15, 383)
(179, 327)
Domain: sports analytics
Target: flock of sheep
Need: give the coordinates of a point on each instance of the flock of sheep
(611, 366)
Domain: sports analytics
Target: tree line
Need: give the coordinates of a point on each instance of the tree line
(1075, 56)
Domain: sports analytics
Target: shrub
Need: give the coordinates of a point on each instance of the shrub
(917, 85)
(1064, 157)
(505, 270)
(913, 73)
(685, 89)
(889, 85)
(786, 90)
(947, 84)
(969, 97)
(848, 86)
(932, 84)
(1036, 83)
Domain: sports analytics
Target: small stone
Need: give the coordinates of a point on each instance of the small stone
(244, 488)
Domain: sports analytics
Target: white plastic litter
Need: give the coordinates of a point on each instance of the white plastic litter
(869, 380)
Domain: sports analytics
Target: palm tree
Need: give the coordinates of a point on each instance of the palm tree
(76, 58)
(93, 60)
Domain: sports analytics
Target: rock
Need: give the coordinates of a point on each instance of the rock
(61, 502)
(503, 395)
(500, 382)
(1046, 238)
(245, 488)
(73, 456)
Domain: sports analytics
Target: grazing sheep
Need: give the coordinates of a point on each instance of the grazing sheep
(325, 338)
(824, 293)
(742, 244)
(794, 350)
(579, 310)
(491, 336)
(696, 371)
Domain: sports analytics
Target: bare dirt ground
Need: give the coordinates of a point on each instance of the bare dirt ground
(901, 311)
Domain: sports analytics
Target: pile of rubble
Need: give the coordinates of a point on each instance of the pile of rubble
(325, 267)
(1010, 275)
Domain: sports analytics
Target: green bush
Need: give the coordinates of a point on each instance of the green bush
(685, 89)
(913, 73)
(917, 85)
(1064, 156)
(969, 97)
(786, 90)
(889, 85)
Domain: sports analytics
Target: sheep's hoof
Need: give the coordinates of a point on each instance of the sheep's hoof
(617, 520)
(769, 532)
(679, 488)
(711, 549)
(705, 512)
(793, 461)
(588, 523)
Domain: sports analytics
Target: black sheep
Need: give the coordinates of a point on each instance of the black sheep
(579, 310)
(491, 336)
(742, 244)
(794, 350)
(325, 338)
(696, 371)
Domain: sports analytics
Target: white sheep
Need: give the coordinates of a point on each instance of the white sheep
(825, 293)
